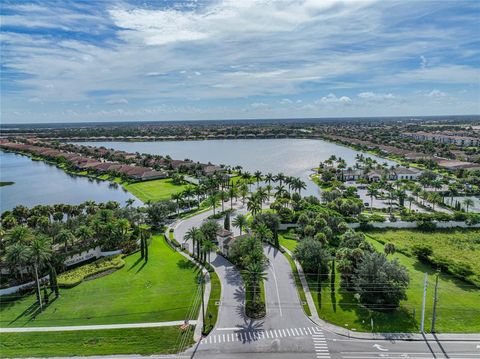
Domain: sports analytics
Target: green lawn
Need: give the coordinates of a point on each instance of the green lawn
(461, 245)
(145, 341)
(212, 307)
(290, 244)
(155, 190)
(161, 290)
(457, 309)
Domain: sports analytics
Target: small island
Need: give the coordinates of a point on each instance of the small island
(6, 183)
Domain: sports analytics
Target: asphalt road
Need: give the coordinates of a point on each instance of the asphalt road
(286, 332)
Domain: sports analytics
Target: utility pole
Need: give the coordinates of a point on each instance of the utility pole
(425, 284)
(435, 300)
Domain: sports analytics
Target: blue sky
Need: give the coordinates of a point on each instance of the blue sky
(74, 61)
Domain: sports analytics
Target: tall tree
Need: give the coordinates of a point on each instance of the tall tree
(40, 253)
(240, 222)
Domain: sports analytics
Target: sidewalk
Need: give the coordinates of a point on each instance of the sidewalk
(197, 335)
(96, 327)
(315, 318)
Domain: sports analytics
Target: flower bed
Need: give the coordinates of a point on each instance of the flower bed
(76, 276)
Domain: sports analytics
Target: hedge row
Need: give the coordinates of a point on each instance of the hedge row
(75, 276)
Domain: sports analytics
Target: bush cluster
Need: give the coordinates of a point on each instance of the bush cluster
(76, 276)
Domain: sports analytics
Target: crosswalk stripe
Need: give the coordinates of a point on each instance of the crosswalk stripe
(316, 333)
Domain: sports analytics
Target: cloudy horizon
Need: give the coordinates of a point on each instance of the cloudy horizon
(70, 61)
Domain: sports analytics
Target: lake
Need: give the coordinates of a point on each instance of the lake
(37, 182)
(293, 157)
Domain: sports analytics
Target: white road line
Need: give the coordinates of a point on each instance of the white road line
(266, 332)
(284, 333)
(296, 331)
(275, 332)
(288, 331)
(309, 331)
(276, 285)
(223, 337)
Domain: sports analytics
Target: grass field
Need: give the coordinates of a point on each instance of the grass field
(457, 309)
(460, 245)
(212, 307)
(162, 289)
(155, 190)
(290, 244)
(145, 341)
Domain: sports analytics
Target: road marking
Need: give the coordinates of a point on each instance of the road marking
(262, 334)
(276, 285)
(379, 347)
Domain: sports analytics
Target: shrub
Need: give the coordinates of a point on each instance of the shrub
(76, 276)
(422, 252)
(427, 226)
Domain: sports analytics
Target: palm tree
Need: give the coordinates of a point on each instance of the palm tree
(212, 201)
(434, 198)
(372, 191)
(263, 233)
(193, 234)
(16, 258)
(262, 195)
(40, 253)
(243, 192)
(240, 222)
(468, 202)
(129, 202)
(20, 234)
(232, 193)
(177, 197)
(299, 185)
(269, 190)
(280, 178)
(280, 191)
(84, 233)
(254, 205)
(65, 236)
(269, 178)
(258, 177)
(223, 196)
(207, 247)
(254, 273)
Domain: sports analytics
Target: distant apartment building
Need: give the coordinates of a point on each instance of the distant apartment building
(463, 141)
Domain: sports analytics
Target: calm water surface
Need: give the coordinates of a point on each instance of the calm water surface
(294, 157)
(39, 183)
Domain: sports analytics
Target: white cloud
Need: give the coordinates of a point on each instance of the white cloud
(154, 74)
(35, 100)
(266, 50)
(423, 62)
(259, 105)
(285, 101)
(333, 99)
(436, 93)
(117, 101)
(372, 96)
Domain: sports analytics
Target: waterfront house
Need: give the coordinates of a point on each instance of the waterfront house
(405, 173)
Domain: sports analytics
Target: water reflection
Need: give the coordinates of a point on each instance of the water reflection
(37, 182)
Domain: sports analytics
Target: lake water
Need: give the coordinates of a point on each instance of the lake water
(39, 183)
(293, 157)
